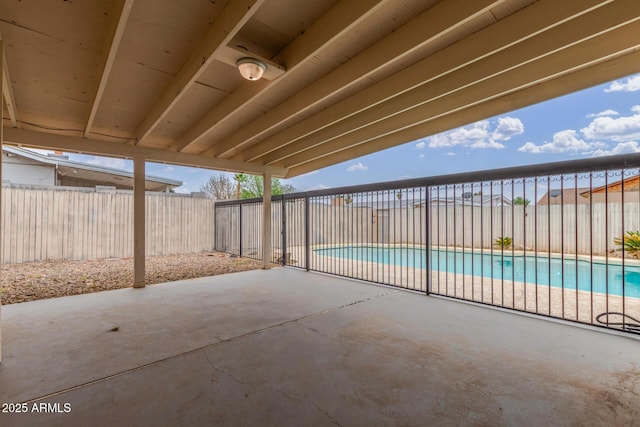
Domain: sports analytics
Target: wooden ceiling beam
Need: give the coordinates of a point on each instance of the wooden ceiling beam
(521, 26)
(432, 24)
(7, 90)
(578, 30)
(552, 66)
(226, 25)
(74, 144)
(607, 70)
(120, 16)
(331, 26)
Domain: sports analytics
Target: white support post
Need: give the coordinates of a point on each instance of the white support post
(138, 221)
(266, 222)
(1, 141)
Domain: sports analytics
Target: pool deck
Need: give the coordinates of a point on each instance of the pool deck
(287, 347)
(568, 304)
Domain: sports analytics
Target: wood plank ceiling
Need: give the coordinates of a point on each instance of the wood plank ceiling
(344, 78)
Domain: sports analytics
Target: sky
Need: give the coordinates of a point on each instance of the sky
(603, 120)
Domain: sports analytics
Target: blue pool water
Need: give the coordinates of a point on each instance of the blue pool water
(543, 270)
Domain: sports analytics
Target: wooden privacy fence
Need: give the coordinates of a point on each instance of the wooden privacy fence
(327, 225)
(562, 228)
(40, 223)
(566, 228)
(569, 228)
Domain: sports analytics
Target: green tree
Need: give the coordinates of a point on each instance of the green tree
(520, 201)
(250, 186)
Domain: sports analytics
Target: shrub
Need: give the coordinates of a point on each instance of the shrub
(630, 242)
(503, 242)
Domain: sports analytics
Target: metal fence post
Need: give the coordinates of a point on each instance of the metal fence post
(284, 233)
(427, 215)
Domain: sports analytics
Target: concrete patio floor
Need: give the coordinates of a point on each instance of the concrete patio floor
(286, 347)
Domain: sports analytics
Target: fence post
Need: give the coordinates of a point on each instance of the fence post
(427, 215)
(284, 233)
(215, 226)
(307, 243)
(240, 228)
(267, 249)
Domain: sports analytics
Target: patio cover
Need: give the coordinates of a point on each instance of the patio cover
(344, 78)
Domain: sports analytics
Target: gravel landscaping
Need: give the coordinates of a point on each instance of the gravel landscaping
(39, 280)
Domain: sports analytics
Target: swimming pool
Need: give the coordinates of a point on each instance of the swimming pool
(607, 278)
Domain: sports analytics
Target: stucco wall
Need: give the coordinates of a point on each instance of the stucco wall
(23, 171)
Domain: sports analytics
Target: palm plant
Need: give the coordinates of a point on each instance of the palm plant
(503, 242)
(630, 242)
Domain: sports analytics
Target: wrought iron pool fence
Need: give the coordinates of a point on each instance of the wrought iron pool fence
(558, 239)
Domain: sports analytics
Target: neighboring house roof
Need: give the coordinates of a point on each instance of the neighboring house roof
(475, 200)
(472, 200)
(90, 172)
(566, 196)
(630, 184)
(389, 204)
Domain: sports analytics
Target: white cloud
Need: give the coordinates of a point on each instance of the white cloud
(616, 129)
(480, 134)
(451, 153)
(630, 84)
(168, 169)
(487, 144)
(182, 190)
(357, 167)
(563, 141)
(317, 187)
(595, 137)
(405, 177)
(310, 173)
(507, 128)
(421, 145)
(110, 162)
(466, 135)
(608, 112)
(621, 148)
(421, 156)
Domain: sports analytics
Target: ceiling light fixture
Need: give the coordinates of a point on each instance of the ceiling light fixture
(251, 68)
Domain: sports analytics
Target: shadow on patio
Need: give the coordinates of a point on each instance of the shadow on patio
(286, 347)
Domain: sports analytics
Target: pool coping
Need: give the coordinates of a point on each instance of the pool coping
(612, 260)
